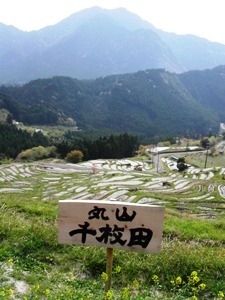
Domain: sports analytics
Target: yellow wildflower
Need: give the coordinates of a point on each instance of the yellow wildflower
(172, 282)
(220, 295)
(202, 286)
(126, 293)
(109, 295)
(118, 269)
(178, 280)
(194, 273)
(37, 287)
(193, 278)
(10, 292)
(89, 296)
(135, 283)
(47, 292)
(10, 261)
(196, 279)
(155, 279)
(104, 276)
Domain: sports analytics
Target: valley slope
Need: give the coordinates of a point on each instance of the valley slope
(146, 103)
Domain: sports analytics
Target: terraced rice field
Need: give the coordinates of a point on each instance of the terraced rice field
(199, 192)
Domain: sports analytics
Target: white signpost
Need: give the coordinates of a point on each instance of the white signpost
(120, 225)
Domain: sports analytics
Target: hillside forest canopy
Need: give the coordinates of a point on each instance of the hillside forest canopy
(146, 104)
(18, 143)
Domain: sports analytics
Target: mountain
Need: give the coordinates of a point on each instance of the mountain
(98, 42)
(192, 52)
(208, 88)
(147, 103)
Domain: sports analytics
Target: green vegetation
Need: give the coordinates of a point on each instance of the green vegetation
(74, 156)
(13, 141)
(33, 265)
(31, 145)
(198, 160)
(147, 103)
(191, 264)
(30, 253)
(114, 146)
(37, 153)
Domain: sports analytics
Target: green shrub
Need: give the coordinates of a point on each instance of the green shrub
(37, 153)
(74, 156)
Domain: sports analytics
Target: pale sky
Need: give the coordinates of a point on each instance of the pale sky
(204, 18)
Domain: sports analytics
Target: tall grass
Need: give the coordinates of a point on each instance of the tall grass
(55, 271)
(30, 254)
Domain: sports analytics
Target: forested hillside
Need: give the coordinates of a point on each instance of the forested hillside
(147, 103)
(13, 141)
(208, 88)
(23, 145)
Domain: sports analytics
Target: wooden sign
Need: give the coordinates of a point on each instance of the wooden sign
(125, 226)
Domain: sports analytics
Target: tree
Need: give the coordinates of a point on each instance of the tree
(13, 140)
(181, 159)
(205, 142)
(37, 153)
(63, 148)
(181, 166)
(74, 156)
(9, 119)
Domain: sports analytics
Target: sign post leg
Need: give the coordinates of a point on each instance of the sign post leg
(109, 263)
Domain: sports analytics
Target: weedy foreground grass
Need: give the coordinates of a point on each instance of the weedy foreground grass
(33, 265)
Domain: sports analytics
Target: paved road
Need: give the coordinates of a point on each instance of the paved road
(157, 163)
(220, 145)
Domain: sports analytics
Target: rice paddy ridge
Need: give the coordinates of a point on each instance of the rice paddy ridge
(117, 180)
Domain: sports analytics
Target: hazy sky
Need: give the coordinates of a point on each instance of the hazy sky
(204, 18)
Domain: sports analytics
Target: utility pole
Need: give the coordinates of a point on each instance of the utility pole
(157, 161)
(206, 157)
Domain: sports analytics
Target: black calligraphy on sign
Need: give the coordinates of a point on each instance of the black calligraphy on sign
(84, 231)
(124, 216)
(140, 236)
(97, 213)
(114, 235)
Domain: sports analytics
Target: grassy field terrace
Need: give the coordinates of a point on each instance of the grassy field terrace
(191, 264)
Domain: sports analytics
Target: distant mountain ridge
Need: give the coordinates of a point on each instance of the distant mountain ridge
(97, 42)
(146, 103)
